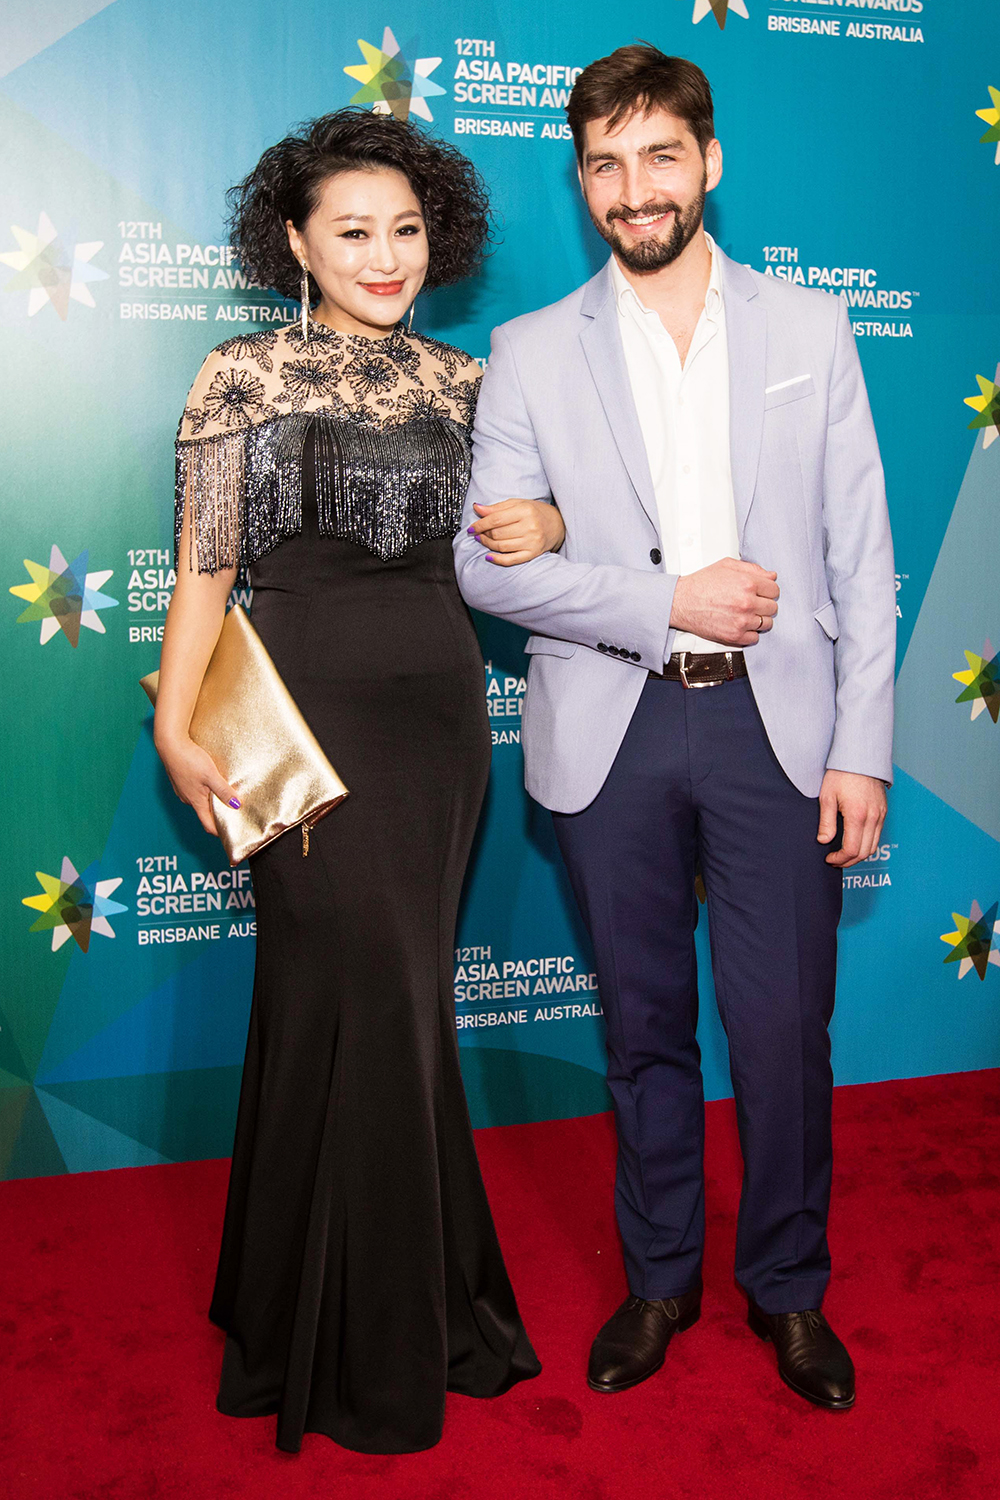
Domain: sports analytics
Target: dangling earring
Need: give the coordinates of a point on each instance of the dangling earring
(304, 296)
(409, 325)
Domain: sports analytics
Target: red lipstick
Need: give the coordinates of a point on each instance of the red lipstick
(382, 288)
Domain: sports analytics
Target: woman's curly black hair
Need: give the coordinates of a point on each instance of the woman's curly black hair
(286, 184)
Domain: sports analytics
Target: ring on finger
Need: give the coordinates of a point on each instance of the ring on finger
(760, 622)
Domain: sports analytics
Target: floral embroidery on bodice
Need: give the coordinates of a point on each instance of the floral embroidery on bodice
(390, 418)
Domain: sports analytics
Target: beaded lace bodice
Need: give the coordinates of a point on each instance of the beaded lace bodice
(390, 418)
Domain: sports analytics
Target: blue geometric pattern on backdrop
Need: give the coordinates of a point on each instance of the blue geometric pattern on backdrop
(124, 124)
(961, 609)
(89, 1145)
(171, 1028)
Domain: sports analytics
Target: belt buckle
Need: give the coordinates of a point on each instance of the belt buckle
(684, 676)
(716, 682)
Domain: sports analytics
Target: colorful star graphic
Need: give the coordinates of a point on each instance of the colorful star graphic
(390, 84)
(974, 942)
(64, 596)
(720, 9)
(74, 906)
(50, 272)
(987, 404)
(992, 118)
(982, 682)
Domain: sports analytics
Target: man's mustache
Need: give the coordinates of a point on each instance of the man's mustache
(648, 209)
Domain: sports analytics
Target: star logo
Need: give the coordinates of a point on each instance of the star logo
(974, 943)
(992, 118)
(982, 682)
(49, 271)
(390, 83)
(720, 9)
(74, 906)
(987, 404)
(64, 596)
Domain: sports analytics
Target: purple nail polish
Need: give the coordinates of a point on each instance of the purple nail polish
(472, 531)
(490, 557)
(234, 802)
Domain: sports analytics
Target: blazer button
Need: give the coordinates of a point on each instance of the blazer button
(636, 656)
(601, 646)
(656, 556)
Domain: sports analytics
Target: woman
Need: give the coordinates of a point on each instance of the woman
(360, 1276)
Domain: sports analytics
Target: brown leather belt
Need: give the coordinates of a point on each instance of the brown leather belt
(697, 670)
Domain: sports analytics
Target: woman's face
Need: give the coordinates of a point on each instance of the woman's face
(365, 244)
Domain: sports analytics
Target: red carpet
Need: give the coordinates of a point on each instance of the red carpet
(108, 1363)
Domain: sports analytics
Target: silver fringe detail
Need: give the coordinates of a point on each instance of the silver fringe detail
(210, 483)
(385, 488)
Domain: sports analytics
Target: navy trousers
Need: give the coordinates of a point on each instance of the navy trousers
(696, 781)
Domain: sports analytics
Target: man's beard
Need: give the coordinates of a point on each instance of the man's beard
(653, 253)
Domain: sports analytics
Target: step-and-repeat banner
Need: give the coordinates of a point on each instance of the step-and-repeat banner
(862, 142)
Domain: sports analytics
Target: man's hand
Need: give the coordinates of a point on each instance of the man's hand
(731, 602)
(861, 802)
(515, 531)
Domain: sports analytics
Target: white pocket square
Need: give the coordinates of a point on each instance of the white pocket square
(795, 380)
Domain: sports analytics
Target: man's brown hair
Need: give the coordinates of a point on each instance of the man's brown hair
(641, 77)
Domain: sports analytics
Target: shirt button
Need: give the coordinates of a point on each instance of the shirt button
(687, 468)
(656, 556)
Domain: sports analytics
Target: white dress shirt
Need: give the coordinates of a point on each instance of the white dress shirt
(684, 417)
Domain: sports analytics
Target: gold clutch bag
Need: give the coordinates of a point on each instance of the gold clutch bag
(249, 723)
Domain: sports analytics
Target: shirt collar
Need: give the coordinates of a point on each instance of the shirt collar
(626, 295)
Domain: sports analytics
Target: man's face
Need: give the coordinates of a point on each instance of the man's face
(645, 185)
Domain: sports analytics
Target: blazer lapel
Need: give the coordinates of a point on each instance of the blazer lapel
(746, 338)
(602, 346)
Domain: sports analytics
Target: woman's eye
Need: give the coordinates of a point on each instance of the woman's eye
(409, 229)
(352, 234)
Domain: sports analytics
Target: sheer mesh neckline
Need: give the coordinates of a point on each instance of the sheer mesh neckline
(324, 332)
(370, 382)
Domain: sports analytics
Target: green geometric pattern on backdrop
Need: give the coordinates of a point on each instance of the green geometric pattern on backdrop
(127, 1055)
(34, 1152)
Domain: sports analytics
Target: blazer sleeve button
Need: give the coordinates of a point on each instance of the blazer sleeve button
(601, 646)
(656, 556)
(636, 656)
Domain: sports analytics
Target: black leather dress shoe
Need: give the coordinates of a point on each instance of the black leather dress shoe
(811, 1359)
(633, 1342)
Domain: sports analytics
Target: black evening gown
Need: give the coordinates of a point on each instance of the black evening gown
(360, 1275)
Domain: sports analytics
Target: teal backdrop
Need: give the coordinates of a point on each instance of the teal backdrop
(862, 149)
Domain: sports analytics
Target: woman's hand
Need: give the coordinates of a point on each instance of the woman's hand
(194, 776)
(516, 531)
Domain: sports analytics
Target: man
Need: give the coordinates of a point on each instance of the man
(706, 434)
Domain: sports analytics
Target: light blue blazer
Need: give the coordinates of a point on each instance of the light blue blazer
(556, 420)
